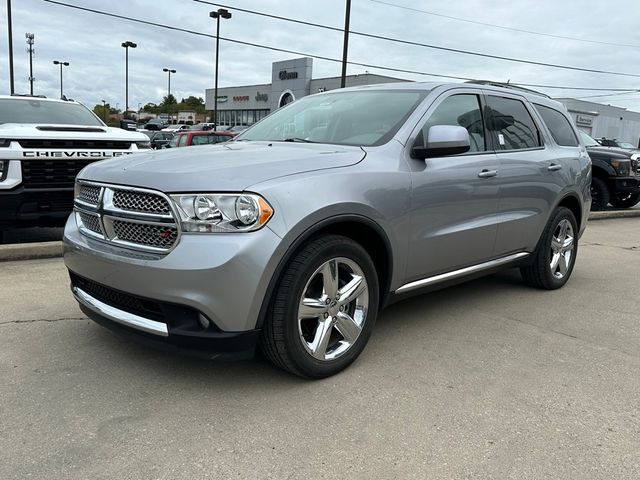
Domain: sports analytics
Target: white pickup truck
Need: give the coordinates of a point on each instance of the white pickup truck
(44, 143)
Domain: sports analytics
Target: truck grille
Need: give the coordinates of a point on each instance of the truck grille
(51, 173)
(131, 217)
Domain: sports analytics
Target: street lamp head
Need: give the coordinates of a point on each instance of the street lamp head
(29, 36)
(128, 44)
(56, 62)
(222, 13)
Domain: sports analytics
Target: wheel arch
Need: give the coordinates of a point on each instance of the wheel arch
(572, 202)
(366, 232)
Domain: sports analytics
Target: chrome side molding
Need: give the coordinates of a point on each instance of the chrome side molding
(120, 316)
(443, 277)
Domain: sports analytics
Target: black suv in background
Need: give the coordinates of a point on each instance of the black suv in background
(616, 175)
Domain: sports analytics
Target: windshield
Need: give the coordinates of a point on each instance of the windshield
(361, 118)
(31, 110)
(587, 140)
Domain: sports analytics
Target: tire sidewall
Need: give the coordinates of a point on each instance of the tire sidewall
(561, 214)
(307, 364)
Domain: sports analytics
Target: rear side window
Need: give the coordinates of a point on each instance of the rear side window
(558, 125)
(200, 140)
(511, 125)
(182, 141)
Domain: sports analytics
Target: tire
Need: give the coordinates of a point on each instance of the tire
(627, 201)
(323, 335)
(542, 273)
(599, 194)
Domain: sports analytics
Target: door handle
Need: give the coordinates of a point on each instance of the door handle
(554, 167)
(487, 173)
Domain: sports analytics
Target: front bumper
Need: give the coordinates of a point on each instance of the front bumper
(204, 296)
(35, 206)
(625, 185)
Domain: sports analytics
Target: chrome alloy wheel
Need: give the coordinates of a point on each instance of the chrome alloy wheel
(333, 309)
(562, 243)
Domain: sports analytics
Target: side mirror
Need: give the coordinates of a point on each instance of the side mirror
(443, 140)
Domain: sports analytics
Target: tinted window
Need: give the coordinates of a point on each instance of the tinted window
(22, 110)
(558, 125)
(511, 125)
(362, 118)
(463, 111)
(200, 140)
(182, 141)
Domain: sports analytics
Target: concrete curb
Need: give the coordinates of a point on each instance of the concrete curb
(614, 214)
(32, 251)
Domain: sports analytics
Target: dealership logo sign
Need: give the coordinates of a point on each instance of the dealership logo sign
(241, 98)
(262, 97)
(284, 75)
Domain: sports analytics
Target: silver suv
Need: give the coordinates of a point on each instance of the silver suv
(294, 235)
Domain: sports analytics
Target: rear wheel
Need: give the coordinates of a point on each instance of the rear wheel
(555, 255)
(324, 308)
(599, 194)
(625, 201)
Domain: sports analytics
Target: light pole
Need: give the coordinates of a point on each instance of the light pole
(169, 71)
(220, 13)
(139, 110)
(30, 41)
(104, 111)
(126, 46)
(345, 45)
(66, 64)
(10, 32)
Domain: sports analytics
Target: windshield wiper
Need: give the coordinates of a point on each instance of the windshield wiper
(297, 139)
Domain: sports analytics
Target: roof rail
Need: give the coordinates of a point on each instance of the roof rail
(27, 95)
(512, 86)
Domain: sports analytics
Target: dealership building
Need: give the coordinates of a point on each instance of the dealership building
(290, 80)
(293, 79)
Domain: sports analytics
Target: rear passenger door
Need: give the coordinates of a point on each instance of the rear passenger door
(455, 197)
(528, 182)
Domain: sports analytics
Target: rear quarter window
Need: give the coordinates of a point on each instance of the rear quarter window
(558, 125)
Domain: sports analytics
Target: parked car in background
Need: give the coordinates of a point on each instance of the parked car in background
(238, 128)
(607, 142)
(177, 127)
(44, 143)
(615, 175)
(202, 126)
(297, 234)
(155, 124)
(206, 137)
(159, 139)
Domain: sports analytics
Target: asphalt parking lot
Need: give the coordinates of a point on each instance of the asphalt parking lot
(490, 379)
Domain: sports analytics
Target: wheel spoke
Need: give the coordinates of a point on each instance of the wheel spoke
(562, 265)
(554, 262)
(311, 308)
(321, 339)
(347, 327)
(352, 290)
(568, 243)
(563, 230)
(329, 274)
(556, 244)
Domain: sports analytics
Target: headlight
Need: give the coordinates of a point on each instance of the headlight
(622, 167)
(143, 145)
(4, 167)
(222, 212)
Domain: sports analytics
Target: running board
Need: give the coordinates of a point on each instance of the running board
(461, 273)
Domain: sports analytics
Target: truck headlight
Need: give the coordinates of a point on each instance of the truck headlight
(622, 167)
(4, 168)
(221, 212)
(143, 145)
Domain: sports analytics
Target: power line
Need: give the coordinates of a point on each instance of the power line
(630, 92)
(503, 27)
(319, 57)
(425, 45)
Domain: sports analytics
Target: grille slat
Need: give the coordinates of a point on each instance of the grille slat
(75, 144)
(51, 173)
(140, 202)
(157, 236)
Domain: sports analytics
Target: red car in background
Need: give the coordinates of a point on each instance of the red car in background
(200, 137)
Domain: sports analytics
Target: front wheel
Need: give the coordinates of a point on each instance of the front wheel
(555, 255)
(599, 194)
(626, 201)
(324, 308)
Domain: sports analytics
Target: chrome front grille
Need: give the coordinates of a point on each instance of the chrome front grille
(131, 217)
(140, 202)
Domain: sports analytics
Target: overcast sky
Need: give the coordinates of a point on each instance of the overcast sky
(91, 43)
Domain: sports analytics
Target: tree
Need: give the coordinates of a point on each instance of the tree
(168, 101)
(105, 111)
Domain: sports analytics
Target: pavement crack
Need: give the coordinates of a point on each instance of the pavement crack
(596, 244)
(43, 320)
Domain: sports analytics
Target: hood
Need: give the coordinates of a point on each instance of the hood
(232, 166)
(66, 132)
(613, 152)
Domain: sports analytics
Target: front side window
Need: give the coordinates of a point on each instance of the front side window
(33, 110)
(360, 118)
(182, 141)
(558, 125)
(460, 110)
(511, 124)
